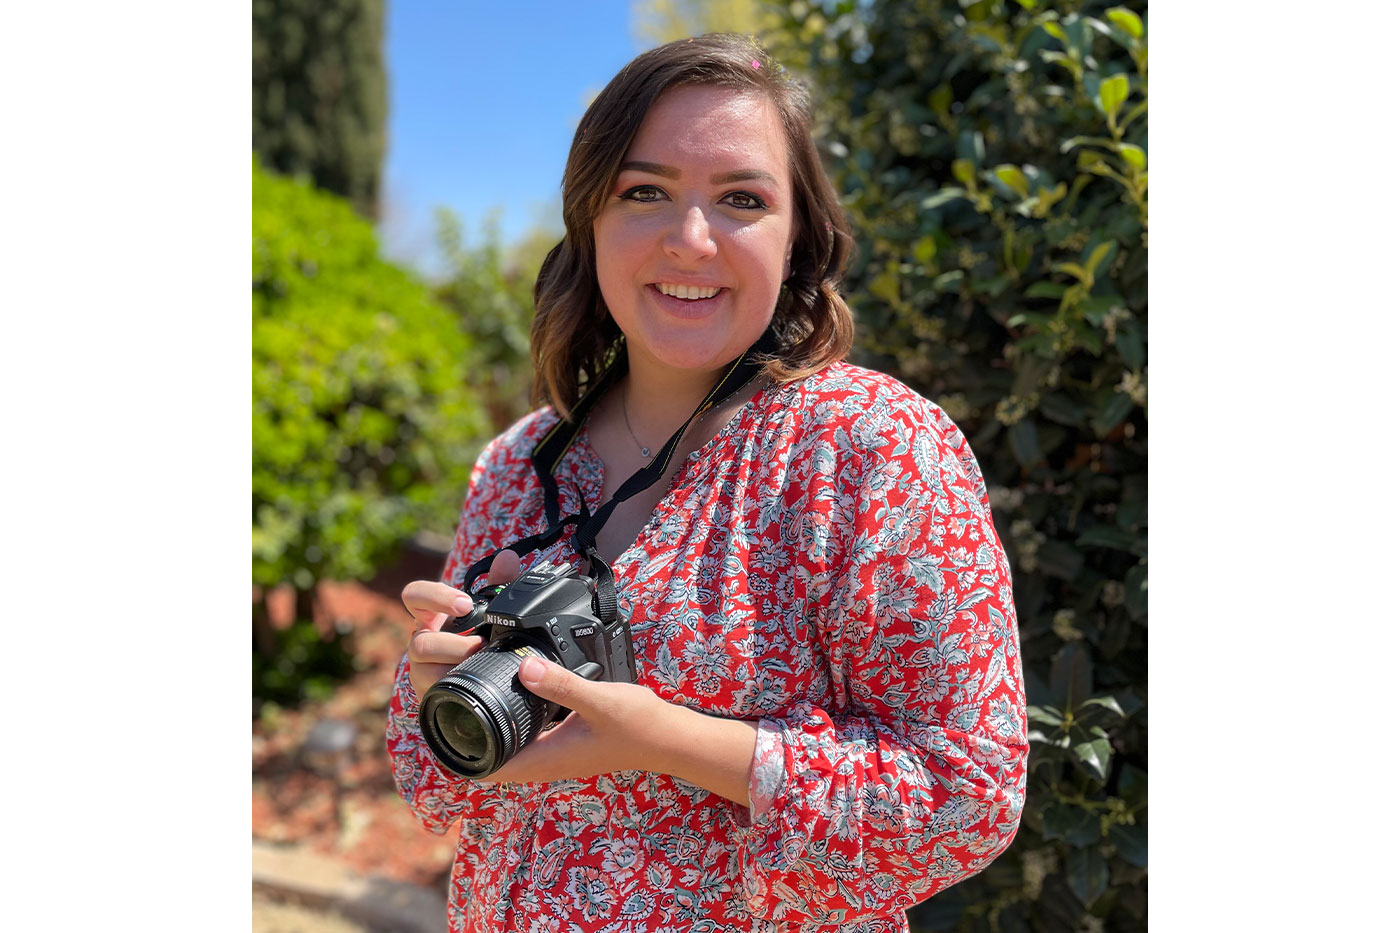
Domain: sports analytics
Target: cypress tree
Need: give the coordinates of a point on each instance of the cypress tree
(320, 93)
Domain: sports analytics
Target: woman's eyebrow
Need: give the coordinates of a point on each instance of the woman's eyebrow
(743, 174)
(651, 168)
(723, 178)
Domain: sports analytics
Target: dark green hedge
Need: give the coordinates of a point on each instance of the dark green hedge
(993, 158)
(320, 94)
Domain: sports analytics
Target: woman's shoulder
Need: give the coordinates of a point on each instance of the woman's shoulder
(875, 418)
(511, 449)
(845, 396)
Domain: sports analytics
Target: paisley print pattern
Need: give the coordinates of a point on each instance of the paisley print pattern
(826, 566)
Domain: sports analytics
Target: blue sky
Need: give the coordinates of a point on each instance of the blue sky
(483, 101)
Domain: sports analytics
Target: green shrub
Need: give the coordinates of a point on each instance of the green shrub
(992, 156)
(491, 288)
(363, 427)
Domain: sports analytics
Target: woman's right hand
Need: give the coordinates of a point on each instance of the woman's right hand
(432, 652)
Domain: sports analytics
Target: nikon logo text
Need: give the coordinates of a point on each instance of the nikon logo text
(507, 621)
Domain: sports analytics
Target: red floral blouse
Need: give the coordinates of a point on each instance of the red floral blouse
(827, 566)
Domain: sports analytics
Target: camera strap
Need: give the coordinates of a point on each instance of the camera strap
(552, 447)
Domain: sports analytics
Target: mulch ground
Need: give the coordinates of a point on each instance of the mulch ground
(347, 808)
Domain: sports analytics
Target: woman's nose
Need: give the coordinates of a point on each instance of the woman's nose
(690, 239)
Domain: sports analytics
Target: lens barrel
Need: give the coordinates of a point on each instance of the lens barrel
(478, 716)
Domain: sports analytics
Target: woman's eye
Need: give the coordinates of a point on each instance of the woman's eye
(644, 194)
(746, 201)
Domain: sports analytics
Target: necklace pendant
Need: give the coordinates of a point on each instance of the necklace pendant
(646, 451)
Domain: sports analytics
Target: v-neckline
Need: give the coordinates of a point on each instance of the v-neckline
(594, 496)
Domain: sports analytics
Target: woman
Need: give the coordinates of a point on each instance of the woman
(828, 724)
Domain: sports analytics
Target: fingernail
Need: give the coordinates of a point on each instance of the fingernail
(531, 669)
(462, 605)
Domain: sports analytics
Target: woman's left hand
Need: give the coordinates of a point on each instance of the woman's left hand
(613, 727)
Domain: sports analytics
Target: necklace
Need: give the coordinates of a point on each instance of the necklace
(646, 451)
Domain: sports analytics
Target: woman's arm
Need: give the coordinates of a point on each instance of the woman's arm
(618, 727)
(913, 778)
(437, 796)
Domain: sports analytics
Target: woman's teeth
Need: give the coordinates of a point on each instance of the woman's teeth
(690, 292)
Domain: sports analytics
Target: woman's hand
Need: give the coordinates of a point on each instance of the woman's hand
(431, 651)
(617, 727)
(613, 727)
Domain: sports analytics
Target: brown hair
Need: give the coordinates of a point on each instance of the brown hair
(573, 337)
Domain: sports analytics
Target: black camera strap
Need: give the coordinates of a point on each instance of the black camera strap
(552, 447)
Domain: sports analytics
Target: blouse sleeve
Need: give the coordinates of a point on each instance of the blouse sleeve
(437, 796)
(915, 779)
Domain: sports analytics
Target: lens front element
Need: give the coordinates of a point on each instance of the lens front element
(461, 728)
(478, 716)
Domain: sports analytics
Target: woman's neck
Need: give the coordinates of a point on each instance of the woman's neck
(657, 401)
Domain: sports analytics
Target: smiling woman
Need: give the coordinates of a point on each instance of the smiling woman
(755, 159)
(828, 721)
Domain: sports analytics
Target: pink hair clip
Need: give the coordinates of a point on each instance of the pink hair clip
(756, 64)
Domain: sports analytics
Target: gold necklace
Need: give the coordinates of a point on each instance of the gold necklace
(646, 451)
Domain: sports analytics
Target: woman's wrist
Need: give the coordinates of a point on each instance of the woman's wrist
(709, 751)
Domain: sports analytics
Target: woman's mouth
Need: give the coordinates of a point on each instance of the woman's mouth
(687, 292)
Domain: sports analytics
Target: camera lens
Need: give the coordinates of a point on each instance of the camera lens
(463, 730)
(478, 716)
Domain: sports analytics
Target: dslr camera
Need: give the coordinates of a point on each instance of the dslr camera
(478, 716)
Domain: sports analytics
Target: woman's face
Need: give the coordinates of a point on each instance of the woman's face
(694, 241)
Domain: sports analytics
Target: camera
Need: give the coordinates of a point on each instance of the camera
(478, 716)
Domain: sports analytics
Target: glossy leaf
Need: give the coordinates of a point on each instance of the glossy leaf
(925, 249)
(1106, 704)
(1092, 80)
(1095, 754)
(1029, 317)
(1130, 841)
(1131, 344)
(1046, 290)
(1087, 159)
(1074, 825)
(1126, 20)
(1045, 715)
(1076, 141)
(1106, 536)
(1113, 410)
(965, 171)
(1135, 587)
(1112, 93)
(940, 99)
(972, 145)
(1062, 409)
(1096, 258)
(1074, 269)
(1025, 444)
(943, 196)
(1133, 155)
(1071, 675)
(1013, 178)
(1132, 785)
(1087, 875)
(1060, 560)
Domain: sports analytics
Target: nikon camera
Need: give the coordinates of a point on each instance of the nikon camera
(478, 716)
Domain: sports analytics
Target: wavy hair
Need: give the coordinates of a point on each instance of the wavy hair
(573, 338)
